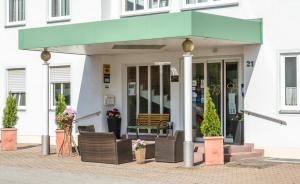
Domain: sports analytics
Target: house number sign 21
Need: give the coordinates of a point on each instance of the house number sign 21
(250, 63)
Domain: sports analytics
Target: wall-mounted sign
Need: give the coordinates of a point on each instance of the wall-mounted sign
(106, 73)
(174, 78)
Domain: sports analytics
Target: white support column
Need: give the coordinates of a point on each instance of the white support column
(45, 110)
(188, 142)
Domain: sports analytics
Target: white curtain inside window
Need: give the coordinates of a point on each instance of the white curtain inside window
(291, 95)
(21, 10)
(291, 81)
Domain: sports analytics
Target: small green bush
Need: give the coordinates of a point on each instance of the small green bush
(211, 125)
(60, 108)
(10, 112)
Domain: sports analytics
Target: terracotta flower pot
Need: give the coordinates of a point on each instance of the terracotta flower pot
(8, 139)
(60, 136)
(140, 155)
(214, 150)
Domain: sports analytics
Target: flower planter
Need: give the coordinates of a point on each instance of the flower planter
(60, 136)
(140, 155)
(214, 150)
(8, 139)
(114, 125)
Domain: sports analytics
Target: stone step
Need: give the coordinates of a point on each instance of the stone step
(256, 153)
(228, 149)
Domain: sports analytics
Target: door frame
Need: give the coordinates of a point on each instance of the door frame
(223, 61)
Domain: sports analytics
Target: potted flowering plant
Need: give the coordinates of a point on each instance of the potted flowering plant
(63, 140)
(139, 148)
(114, 121)
(239, 131)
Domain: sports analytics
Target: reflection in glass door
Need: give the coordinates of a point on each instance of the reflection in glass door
(198, 96)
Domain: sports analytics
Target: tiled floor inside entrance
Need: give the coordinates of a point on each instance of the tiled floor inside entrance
(257, 171)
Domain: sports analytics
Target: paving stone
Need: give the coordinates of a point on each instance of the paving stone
(27, 161)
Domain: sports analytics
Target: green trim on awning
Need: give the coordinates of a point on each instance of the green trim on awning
(147, 27)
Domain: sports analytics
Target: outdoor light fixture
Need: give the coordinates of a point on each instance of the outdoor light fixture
(45, 55)
(188, 45)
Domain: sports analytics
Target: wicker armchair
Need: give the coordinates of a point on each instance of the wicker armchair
(104, 148)
(169, 149)
(89, 128)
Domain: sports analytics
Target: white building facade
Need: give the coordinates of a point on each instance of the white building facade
(255, 74)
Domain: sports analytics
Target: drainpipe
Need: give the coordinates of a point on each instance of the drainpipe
(45, 56)
(188, 146)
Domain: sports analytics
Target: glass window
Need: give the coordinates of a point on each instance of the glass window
(291, 81)
(60, 8)
(16, 10)
(61, 88)
(155, 89)
(16, 85)
(166, 89)
(20, 98)
(131, 94)
(143, 84)
(134, 5)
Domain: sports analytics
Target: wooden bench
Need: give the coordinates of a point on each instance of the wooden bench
(151, 121)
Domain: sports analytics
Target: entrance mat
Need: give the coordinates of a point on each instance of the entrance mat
(283, 160)
(252, 163)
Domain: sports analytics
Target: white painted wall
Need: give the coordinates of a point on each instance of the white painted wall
(280, 32)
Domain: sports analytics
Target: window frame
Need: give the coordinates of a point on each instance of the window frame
(146, 9)
(58, 18)
(282, 93)
(209, 4)
(15, 23)
(52, 93)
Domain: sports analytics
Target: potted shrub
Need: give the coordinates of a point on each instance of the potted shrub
(211, 129)
(114, 121)
(66, 118)
(139, 148)
(60, 132)
(9, 132)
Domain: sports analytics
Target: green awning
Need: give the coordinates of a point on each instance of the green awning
(159, 26)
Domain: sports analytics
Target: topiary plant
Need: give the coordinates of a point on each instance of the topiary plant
(60, 108)
(211, 125)
(10, 112)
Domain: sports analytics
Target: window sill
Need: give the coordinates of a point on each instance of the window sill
(289, 112)
(21, 109)
(15, 24)
(206, 5)
(145, 12)
(59, 19)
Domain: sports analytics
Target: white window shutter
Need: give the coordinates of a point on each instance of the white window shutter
(16, 80)
(60, 74)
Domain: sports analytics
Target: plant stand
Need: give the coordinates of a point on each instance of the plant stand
(66, 145)
(140, 155)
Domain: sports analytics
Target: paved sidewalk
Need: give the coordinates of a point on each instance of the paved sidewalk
(27, 166)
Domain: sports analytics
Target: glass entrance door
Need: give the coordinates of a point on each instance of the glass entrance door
(148, 91)
(221, 77)
(231, 89)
